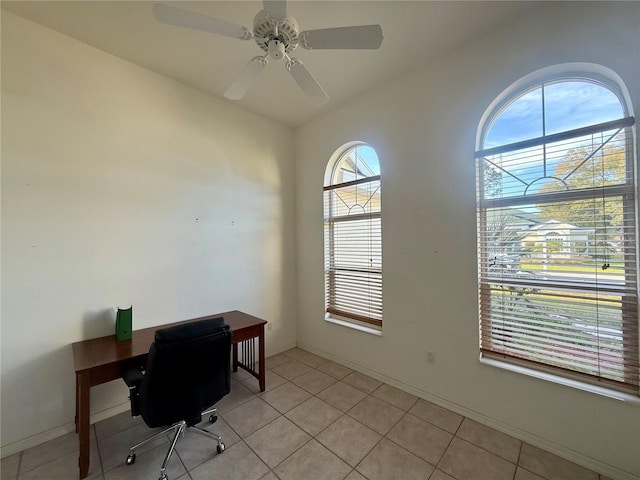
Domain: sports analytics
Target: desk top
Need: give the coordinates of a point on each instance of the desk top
(88, 354)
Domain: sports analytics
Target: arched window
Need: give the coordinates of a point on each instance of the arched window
(557, 239)
(353, 236)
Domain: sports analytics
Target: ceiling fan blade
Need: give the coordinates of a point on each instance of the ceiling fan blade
(196, 21)
(306, 82)
(276, 8)
(248, 74)
(367, 37)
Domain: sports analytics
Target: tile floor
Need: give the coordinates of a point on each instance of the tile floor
(317, 420)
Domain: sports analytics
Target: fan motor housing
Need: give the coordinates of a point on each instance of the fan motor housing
(264, 31)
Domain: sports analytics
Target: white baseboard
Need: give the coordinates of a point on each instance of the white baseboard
(559, 450)
(56, 432)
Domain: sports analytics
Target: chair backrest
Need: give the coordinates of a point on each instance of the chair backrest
(187, 371)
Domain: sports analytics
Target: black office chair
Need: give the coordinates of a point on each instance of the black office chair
(187, 371)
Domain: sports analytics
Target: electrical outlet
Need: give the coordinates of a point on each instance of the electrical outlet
(269, 327)
(431, 357)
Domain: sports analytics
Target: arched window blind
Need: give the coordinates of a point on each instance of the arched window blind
(557, 245)
(353, 237)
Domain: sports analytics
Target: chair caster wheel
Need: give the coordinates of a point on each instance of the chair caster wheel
(213, 418)
(131, 459)
(220, 448)
(164, 477)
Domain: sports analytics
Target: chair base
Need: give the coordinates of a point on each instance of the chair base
(179, 427)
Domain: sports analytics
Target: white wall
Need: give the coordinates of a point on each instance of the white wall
(423, 127)
(120, 186)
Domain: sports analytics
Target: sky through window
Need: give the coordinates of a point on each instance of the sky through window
(567, 105)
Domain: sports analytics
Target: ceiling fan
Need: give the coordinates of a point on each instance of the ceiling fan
(277, 34)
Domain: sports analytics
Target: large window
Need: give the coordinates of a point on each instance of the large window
(353, 236)
(557, 244)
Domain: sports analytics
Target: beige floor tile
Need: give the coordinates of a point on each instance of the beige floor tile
(271, 380)
(250, 416)
(312, 461)
(65, 467)
(440, 417)
(276, 361)
(292, 369)
(238, 395)
(314, 415)
(440, 475)
(195, 449)
(496, 442)
(421, 438)
(269, 476)
(354, 475)
(47, 452)
(295, 353)
(253, 384)
(376, 414)
(314, 381)
(285, 397)
(9, 467)
(147, 465)
(341, 396)
(395, 397)
(235, 463)
(114, 449)
(241, 375)
(312, 360)
(276, 441)
(335, 369)
(522, 474)
(362, 382)
(388, 461)
(465, 461)
(349, 439)
(552, 467)
(116, 424)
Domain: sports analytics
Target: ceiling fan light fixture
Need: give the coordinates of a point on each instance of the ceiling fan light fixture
(276, 49)
(267, 28)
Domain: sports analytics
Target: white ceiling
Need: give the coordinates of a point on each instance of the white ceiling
(414, 32)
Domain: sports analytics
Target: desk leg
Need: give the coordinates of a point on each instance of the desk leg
(234, 365)
(77, 402)
(82, 421)
(262, 361)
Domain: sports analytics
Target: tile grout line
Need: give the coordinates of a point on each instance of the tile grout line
(95, 433)
(453, 435)
(19, 465)
(518, 460)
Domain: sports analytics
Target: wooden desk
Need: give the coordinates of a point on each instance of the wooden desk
(102, 360)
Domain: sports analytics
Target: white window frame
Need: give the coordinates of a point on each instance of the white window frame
(610, 80)
(366, 313)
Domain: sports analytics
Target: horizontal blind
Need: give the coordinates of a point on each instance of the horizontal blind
(557, 255)
(353, 256)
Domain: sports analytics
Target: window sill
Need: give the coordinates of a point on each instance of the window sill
(587, 387)
(355, 326)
